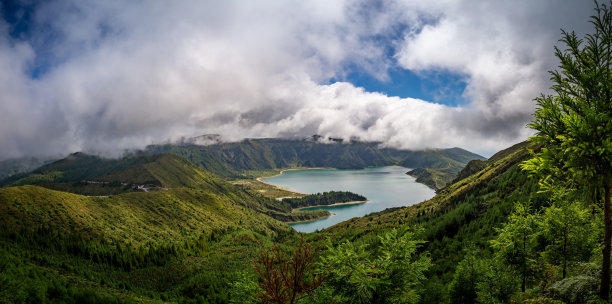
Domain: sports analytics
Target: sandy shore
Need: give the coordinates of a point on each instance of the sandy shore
(292, 169)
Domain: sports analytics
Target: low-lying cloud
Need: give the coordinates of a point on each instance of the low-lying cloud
(105, 76)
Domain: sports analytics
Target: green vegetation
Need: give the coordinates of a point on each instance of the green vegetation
(388, 270)
(324, 199)
(574, 124)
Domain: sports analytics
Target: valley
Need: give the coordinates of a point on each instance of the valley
(193, 225)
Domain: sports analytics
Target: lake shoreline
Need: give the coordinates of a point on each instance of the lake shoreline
(330, 213)
(332, 205)
(392, 189)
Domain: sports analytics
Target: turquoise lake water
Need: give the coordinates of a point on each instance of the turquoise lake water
(385, 187)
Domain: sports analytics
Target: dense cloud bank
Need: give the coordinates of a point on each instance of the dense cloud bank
(104, 76)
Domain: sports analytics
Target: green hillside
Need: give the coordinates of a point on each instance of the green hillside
(462, 214)
(129, 218)
(198, 240)
(167, 243)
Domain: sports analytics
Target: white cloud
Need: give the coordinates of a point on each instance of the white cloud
(121, 75)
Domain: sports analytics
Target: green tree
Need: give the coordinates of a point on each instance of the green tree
(515, 243)
(575, 123)
(569, 233)
(389, 272)
(469, 272)
(244, 289)
(498, 285)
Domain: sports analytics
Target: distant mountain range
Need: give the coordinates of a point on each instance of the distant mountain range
(235, 160)
(245, 159)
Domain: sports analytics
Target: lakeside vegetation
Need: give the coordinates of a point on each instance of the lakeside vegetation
(324, 199)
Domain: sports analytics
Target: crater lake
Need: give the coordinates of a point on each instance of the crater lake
(384, 187)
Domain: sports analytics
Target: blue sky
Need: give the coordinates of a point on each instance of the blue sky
(441, 87)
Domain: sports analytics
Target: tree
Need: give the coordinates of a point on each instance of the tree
(515, 243)
(567, 228)
(498, 284)
(575, 123)
(469, 272)
(390, 272)
(287, 279)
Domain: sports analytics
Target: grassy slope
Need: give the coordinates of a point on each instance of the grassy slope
(130, 217)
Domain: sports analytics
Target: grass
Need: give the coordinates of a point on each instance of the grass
(266, 189)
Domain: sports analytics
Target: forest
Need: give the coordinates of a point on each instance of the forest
(325, 198)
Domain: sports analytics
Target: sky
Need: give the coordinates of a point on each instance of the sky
(105, 77)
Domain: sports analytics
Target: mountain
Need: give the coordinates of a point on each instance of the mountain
(11, 167)
(94, 176)
(238, 160)
(246, 159)
(75, 167)
(193, 237)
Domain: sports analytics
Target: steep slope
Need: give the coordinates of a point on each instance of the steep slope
(464, 213)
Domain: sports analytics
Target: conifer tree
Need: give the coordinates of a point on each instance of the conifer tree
(575, 123)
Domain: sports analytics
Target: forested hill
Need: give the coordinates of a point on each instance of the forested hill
(461, 216)
(234, 160)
